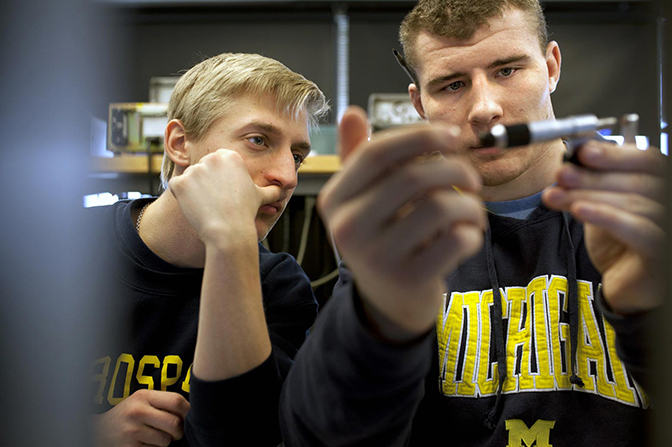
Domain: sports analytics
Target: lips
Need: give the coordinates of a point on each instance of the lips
(272, 208)
(477, 142)
(477, 145)
(277, 205)
(484, 151)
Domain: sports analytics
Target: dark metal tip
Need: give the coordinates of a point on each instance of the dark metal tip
(487, 139)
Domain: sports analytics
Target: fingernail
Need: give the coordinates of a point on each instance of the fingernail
(592, 151)
(453, 131)
(568, 175)
(556, 195)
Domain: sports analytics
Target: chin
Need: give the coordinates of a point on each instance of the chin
(263, 228)
(262, 233)
(498, 171)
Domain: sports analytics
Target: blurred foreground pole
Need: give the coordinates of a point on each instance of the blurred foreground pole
(662, 341)
(48, 66)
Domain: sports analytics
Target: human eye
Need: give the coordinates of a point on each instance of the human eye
(454, 86)
(507, 71)
(299, 158)
(257, 140)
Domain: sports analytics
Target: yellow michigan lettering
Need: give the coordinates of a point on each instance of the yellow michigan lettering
(519, 433)
(448, 331)
(488, 376)
(533, 313)
(519, 335)
(624, 392)
(557, 290)
(536, 293)
(466, 387)
(590, 348)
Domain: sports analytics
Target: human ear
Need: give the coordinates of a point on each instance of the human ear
(175, 143)
(553, 63)
(414, 93)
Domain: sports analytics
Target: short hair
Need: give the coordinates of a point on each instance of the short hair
(208, 91)
(460, 19)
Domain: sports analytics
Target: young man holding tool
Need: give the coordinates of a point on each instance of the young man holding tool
(494, 296)
(189, 282)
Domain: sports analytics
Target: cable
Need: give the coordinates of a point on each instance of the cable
(337, 256)
(308, 210)
(325, 279)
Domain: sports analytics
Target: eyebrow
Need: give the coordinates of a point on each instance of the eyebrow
(443, 79)
(273, 129)
(266, 127)
(510, 60)
(495, 64)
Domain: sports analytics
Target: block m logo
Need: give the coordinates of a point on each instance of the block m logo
(520, 435)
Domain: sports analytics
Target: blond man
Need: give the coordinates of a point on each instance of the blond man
(493, 297)
(207, 320)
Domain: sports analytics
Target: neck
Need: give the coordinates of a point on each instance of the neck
(538, 176)
(168, 234)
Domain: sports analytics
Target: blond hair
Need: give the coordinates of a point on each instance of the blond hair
(460, 19)
(208, 90)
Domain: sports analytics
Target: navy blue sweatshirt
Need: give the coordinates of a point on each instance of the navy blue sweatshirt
(150, 319)
(488, 375)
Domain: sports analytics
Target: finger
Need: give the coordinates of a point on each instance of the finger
(383, 156)
(173, 183)
(636, 232)
(562, 199)
(165, 422)
(384, 200)
(353, 130)
(388, 200)
(648, 185)
(179, 184)
(169, 401)
(433, 217)
(151, 436)
(603, 156)
(461, 242)
(219, 155)
(269, 194)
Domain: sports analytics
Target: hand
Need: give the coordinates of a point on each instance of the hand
(146, 417)
(218, 197)
(620, 201)
(398, 221)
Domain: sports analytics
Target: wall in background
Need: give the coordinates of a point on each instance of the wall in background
(608, 48)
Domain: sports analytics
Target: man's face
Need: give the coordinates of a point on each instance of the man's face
(272, 145)
(500, 75)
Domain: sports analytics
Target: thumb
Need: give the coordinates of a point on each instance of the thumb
(353, 130)
(268, 194)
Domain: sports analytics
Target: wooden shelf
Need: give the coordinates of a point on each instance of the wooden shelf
(126, 164)
(321, 164)
(137, 164)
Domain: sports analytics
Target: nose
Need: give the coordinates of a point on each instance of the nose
(486, 108)
(282, 171)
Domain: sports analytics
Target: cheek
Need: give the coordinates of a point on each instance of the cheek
(256, 170)
(444, 113)
(539, 97)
